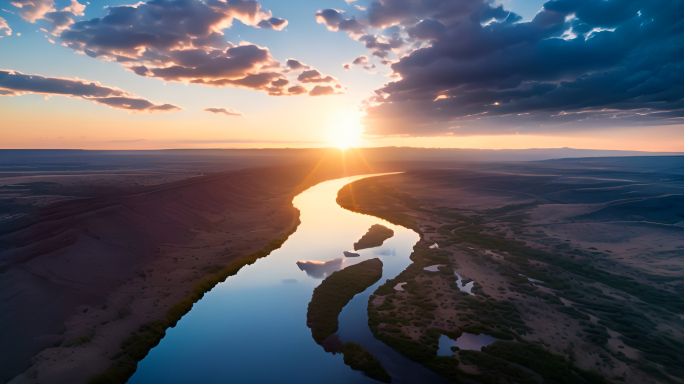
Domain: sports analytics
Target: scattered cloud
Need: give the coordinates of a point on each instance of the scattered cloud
(4, 28)
(294, 64)
(224, 111)
(313, 76)
(321, 90)
(273, 23)
(32, 10)
(362, 61)
(184, 41)
(360, 29)
(473, 67)
(13, 83)
(335, 21)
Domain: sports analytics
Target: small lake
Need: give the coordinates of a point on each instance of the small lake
(467, 341)
(252, 327)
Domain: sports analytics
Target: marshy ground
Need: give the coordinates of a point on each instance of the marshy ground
(577, 268)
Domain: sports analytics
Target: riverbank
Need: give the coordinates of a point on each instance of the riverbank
(124, 267)
(137, 346)
(173, 240)
(556, 271)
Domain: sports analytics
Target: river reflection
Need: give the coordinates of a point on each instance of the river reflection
(320, 269)
(252, 327)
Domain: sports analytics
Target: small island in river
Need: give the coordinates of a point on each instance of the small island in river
(327, 302)
(376, 235)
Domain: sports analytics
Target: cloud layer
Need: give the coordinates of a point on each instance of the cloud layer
(14, 83)
(183, 40)
(471, 67)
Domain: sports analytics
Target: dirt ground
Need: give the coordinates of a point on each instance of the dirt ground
(591, 266)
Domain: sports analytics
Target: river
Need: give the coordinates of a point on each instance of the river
(252, 327)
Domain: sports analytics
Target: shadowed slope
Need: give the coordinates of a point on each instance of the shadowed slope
(97, 268)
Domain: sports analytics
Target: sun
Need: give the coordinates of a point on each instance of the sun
(345, 130)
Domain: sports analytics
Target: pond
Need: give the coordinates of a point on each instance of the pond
(467, 341)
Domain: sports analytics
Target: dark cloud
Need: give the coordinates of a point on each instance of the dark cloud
(362, 61)
(59, 20)
(470, 67)
(183, 40)
(294, 64)
(334, 20)
(224, 111)
(14, 83)
(273, 23)
(427, 29)
(358, 29)
(321, 90)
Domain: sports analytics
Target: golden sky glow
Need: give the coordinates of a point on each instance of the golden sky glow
(324, 85)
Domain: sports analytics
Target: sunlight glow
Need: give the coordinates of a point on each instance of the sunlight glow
(345, 130)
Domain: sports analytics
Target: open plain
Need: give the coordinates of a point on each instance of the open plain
(576, 267)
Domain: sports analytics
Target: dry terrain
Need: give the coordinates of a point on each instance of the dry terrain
(97, 250)
(101, 251)
(576, 266)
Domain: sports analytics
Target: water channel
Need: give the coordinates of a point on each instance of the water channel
(252, 327)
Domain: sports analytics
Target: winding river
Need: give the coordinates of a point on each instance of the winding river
(252, 327)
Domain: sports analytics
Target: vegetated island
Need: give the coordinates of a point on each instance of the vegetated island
(328, 300)
(359, 359)
(376, 235)
(568, 281)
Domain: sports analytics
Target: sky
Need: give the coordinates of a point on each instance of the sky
(120, 74)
